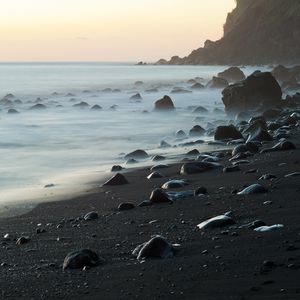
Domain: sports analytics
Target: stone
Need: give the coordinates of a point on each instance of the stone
(38, 106)
(22, 240)
(268, 228)
(200, 109)
(197, 130)
(259, 90)
(198, 167)
(231, 169)
(126, 206)
(159, 196)
(158, 167)
(232, 74)
(164, 104)
(217, 83)
(180, 134)
(254, 224)
(82, 104)
(155, 175)
(92, 215)
(253, 189)
(116, 168)
(96, 107)
(200, 191)
(281, 146)
(117, 179)
(12, 111)
(82, 258)
(239, 149)
(216, 222)
(227, 132)
(197, 86)
(137, 154)
(158, 158)
(136, 97)
(172, 184)
(157, 247)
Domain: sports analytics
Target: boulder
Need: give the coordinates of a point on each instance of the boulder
(197, 130)
(217, 83)
(159, 196)
(38, 106)
(197, 86)
(232, 74)
(259, 90)
(137, 154)
(136, 97)
(126, 206)
(198, 167)
(117, 179)
(216, 222)
(227, 132)
(164, 104)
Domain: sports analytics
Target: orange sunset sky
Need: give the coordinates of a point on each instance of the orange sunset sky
(110, 30)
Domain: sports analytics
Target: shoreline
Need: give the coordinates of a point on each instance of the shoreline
(206, 259)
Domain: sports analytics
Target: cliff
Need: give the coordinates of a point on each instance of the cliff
(255, 32)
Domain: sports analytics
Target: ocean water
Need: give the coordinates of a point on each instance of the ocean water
(69, 146)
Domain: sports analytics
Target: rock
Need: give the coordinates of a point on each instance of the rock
(281, 146)
(197, 130)
(232, 74)
(131, 161)
(38, 106)
(268, 228)
(96, 107)
(197, 86)
(257, 131)
(136, 97)
(253, 189)
(158, 167)
(231, 169)
(252, 146)
(82, 258)
(193, 152)
(158, 158)
(154, 175)
(217, 83)
(157, 247)
(12, 111)
(200, 110)
(164, 104)
(272, 113)
(227, 132)
(173, 184)
(116, 168)
(239, 149)
(22, 240)
(254, 224)
(137, 154)
(92, 215)
(82, 104)
(180, 134)
(117, 179)
(259, 90)
(267, 177)
(198, 167)
(216, 222)
(294, 174)
(149, 91)
(164, 144)
(126, 206)
(200, 191)
(179, 90)
(159, 196)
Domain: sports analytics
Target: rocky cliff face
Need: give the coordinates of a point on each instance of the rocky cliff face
(255, 32)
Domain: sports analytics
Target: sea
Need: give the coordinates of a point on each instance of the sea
(64, 147)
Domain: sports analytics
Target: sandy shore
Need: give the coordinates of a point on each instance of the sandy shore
(225, 263)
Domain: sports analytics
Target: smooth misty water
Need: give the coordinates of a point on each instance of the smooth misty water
(64, 144)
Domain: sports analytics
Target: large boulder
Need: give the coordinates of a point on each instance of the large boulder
(227, 132)
(259, 90)
(232, 74)
(164, 104)
(217, 83)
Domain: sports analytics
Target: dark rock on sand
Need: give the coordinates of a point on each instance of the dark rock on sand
(157, 247)
(159, 196)
(117, 179)
(22, 240)
(155, 175)
(216, 222)
(198, 167)
(82, 258)
(239, 149)
(281, 146)
(158, 167)
(164, 104)
(116, 168)
(231, 169)
(253, 189)
(200, 191)
(92, 215)
(267, 177)
(38, 106)
(257, 131)
(173, 184)
(158, 158)
(137, 154)
(217, 83)
(254, 224)
(193, 152)
(232, 74)
(126, 206)
(227, 132)
(257, 91)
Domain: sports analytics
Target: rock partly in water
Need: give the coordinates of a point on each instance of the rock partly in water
(197, 130)
(232, 74)
(38, 106)
(227, 132)
(136, 97)
(259, 90)
(82, 258)
(217, 83)
(116, 168)
(137, 154)
(216, 222)
(164, 104)
(117, 179)
(157, 247)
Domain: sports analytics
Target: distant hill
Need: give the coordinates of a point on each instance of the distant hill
(255, 32)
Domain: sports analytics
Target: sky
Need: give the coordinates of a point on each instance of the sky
(107, 30)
